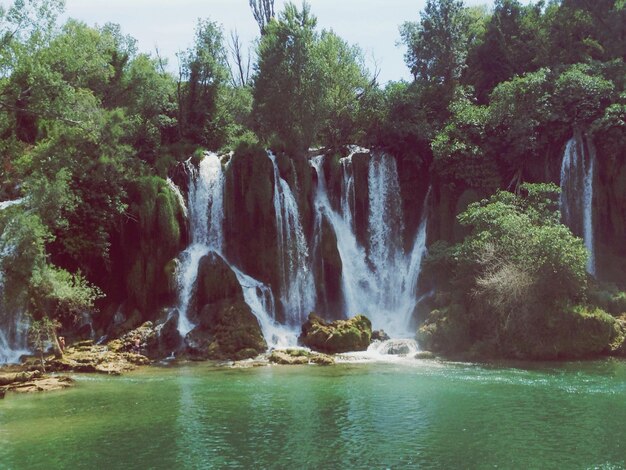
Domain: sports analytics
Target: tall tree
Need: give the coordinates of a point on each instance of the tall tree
(204, 71)
(287, 90)
(263, 12)
(509, 47)
(437, 44)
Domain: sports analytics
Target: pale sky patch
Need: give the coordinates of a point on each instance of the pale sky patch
(169, 24)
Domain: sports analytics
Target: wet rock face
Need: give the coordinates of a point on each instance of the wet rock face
(360, 168)
(215, 282)
(610, 213)
(328, 271)
(338, 336)
(250, 222)
(226, 327)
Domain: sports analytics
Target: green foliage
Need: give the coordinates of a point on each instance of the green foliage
(308, 87)
(518, 273)
(582, 96)
(509, 46)
(287, 83)
(437, 45)
(59, 294)
(460, 148)
(346, 83)
(205, 73)
(524, 234)
(519, 110)
(41, 333)
(403, 119)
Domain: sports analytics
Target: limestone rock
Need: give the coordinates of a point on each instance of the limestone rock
(299, 356)
(338, 336)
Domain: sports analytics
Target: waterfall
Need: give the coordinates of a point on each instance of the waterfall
(205, 208)
(385, 230)
(379, 281)
(576, 201)
(7, 204)
(260, 299)
(297, 290)
(13, 328)
(206, 218)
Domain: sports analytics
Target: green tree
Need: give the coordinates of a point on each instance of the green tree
(287, 83)
(460, 150)
(437, 45)
(203, 74)
(580, 96)
(509, 46)
(346, 82)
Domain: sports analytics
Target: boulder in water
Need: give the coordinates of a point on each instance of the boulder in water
(215, 282)
(226, 327)
(380, 335)
(425, 355)
(398, 347)
(338, 336)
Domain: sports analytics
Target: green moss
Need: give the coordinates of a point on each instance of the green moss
(167, 205)
(445, 330)
(156, 240)
(338, 336)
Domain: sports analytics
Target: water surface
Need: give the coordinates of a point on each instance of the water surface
(406, 415)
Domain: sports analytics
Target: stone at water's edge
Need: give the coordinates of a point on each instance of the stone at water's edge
(299, 356)
(31, 381)
(338, 336)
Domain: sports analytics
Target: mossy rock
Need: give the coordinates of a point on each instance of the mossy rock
(227, 330)
(445, 330)
(338, 336)
(149, 241)
(299, 356)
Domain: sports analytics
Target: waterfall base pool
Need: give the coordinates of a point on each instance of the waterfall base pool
(419, 414)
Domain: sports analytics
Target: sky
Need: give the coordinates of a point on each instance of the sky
(169, 24)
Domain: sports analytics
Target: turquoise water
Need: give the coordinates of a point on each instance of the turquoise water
(418, 415)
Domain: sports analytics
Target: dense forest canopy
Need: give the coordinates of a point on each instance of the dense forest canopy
(91, 127)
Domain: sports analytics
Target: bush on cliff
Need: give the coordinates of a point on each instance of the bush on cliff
(516, 284)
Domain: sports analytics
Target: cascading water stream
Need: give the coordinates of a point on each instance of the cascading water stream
(576, 201)
(260, 299)
(12, 325)
(206, 217)
(297, 289)
(381, 283)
